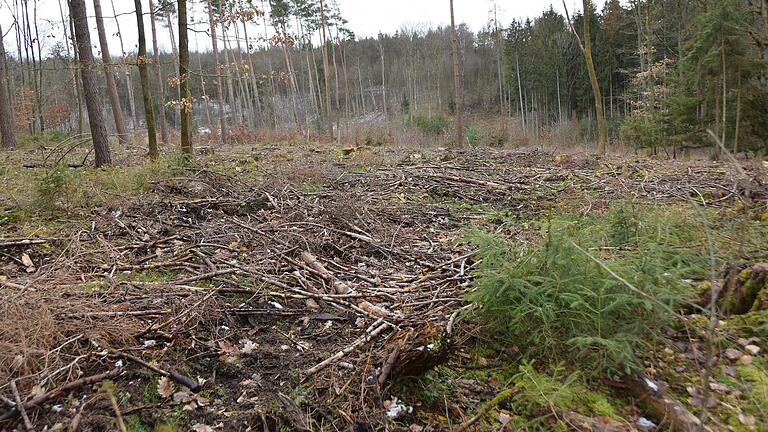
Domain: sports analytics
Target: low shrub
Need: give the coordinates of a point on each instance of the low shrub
(475, 135)
(432, 126)
(556, 300)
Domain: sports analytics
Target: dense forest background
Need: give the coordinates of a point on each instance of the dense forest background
(668, 70)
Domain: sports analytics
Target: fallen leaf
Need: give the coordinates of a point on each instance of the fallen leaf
(248, 346)
(165, 387)
(752, 349)
(202, 428)
(181, 397)
(745, 360)
(228, 349)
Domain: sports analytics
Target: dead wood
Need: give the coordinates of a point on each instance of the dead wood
(660, 406)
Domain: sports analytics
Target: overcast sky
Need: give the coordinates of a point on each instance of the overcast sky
(366, 18)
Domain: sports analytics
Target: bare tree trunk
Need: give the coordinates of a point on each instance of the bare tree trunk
(175, 62)
(186, 101)
(383, 84)
(72, 65)
(158, 75)
(146, 93)
(91, 90)
(252, 75)
(326, 76)
(127, 71)
(738, 116)
(39, 75)
(114, 99)
(202, 83)
(228, 75)
(75, 70)
(271, 69)
(586, 48)
(360, 82)
(7, 128)
(219, 88)
(456, 81)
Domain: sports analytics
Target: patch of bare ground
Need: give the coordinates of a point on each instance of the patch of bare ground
(280, 288)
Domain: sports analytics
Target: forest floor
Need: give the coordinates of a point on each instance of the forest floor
(292, 287)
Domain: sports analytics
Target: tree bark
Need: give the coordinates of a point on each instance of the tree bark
(457, 81)
(186, 97)
(158, 74)
(114, 99)
(91, 90)
(146, 93)
(7, 128)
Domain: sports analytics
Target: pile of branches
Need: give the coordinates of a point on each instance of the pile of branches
(340, 285)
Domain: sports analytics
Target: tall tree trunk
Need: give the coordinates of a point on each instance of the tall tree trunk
(738, 116)
(65, 24)
(219, 87)
(7, 129)
(227, 74)
(202, 83)
(586, 49)
(186, 97)
(326, 72)
(127, 71)
(252, 75)
(39, 75)
(91, 90)
(158, 74)
(175, 53)
(146, 92)
(114, 99)
(601, 147)
(383, 85)
(456, 81)
(75, 72)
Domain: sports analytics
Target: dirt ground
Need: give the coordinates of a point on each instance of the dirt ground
(282, 287)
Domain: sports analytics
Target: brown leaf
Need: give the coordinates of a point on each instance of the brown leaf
(165, 387)
(228, 349)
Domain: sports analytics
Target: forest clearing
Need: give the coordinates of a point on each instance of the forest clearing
(274, 216)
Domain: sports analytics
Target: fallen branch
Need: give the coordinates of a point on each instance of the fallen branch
(374, 330)
(45, 397)
(15, 242)
(180, 378)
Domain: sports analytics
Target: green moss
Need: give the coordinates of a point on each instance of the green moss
(134, 424)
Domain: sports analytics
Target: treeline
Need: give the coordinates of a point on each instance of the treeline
(668, 71)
